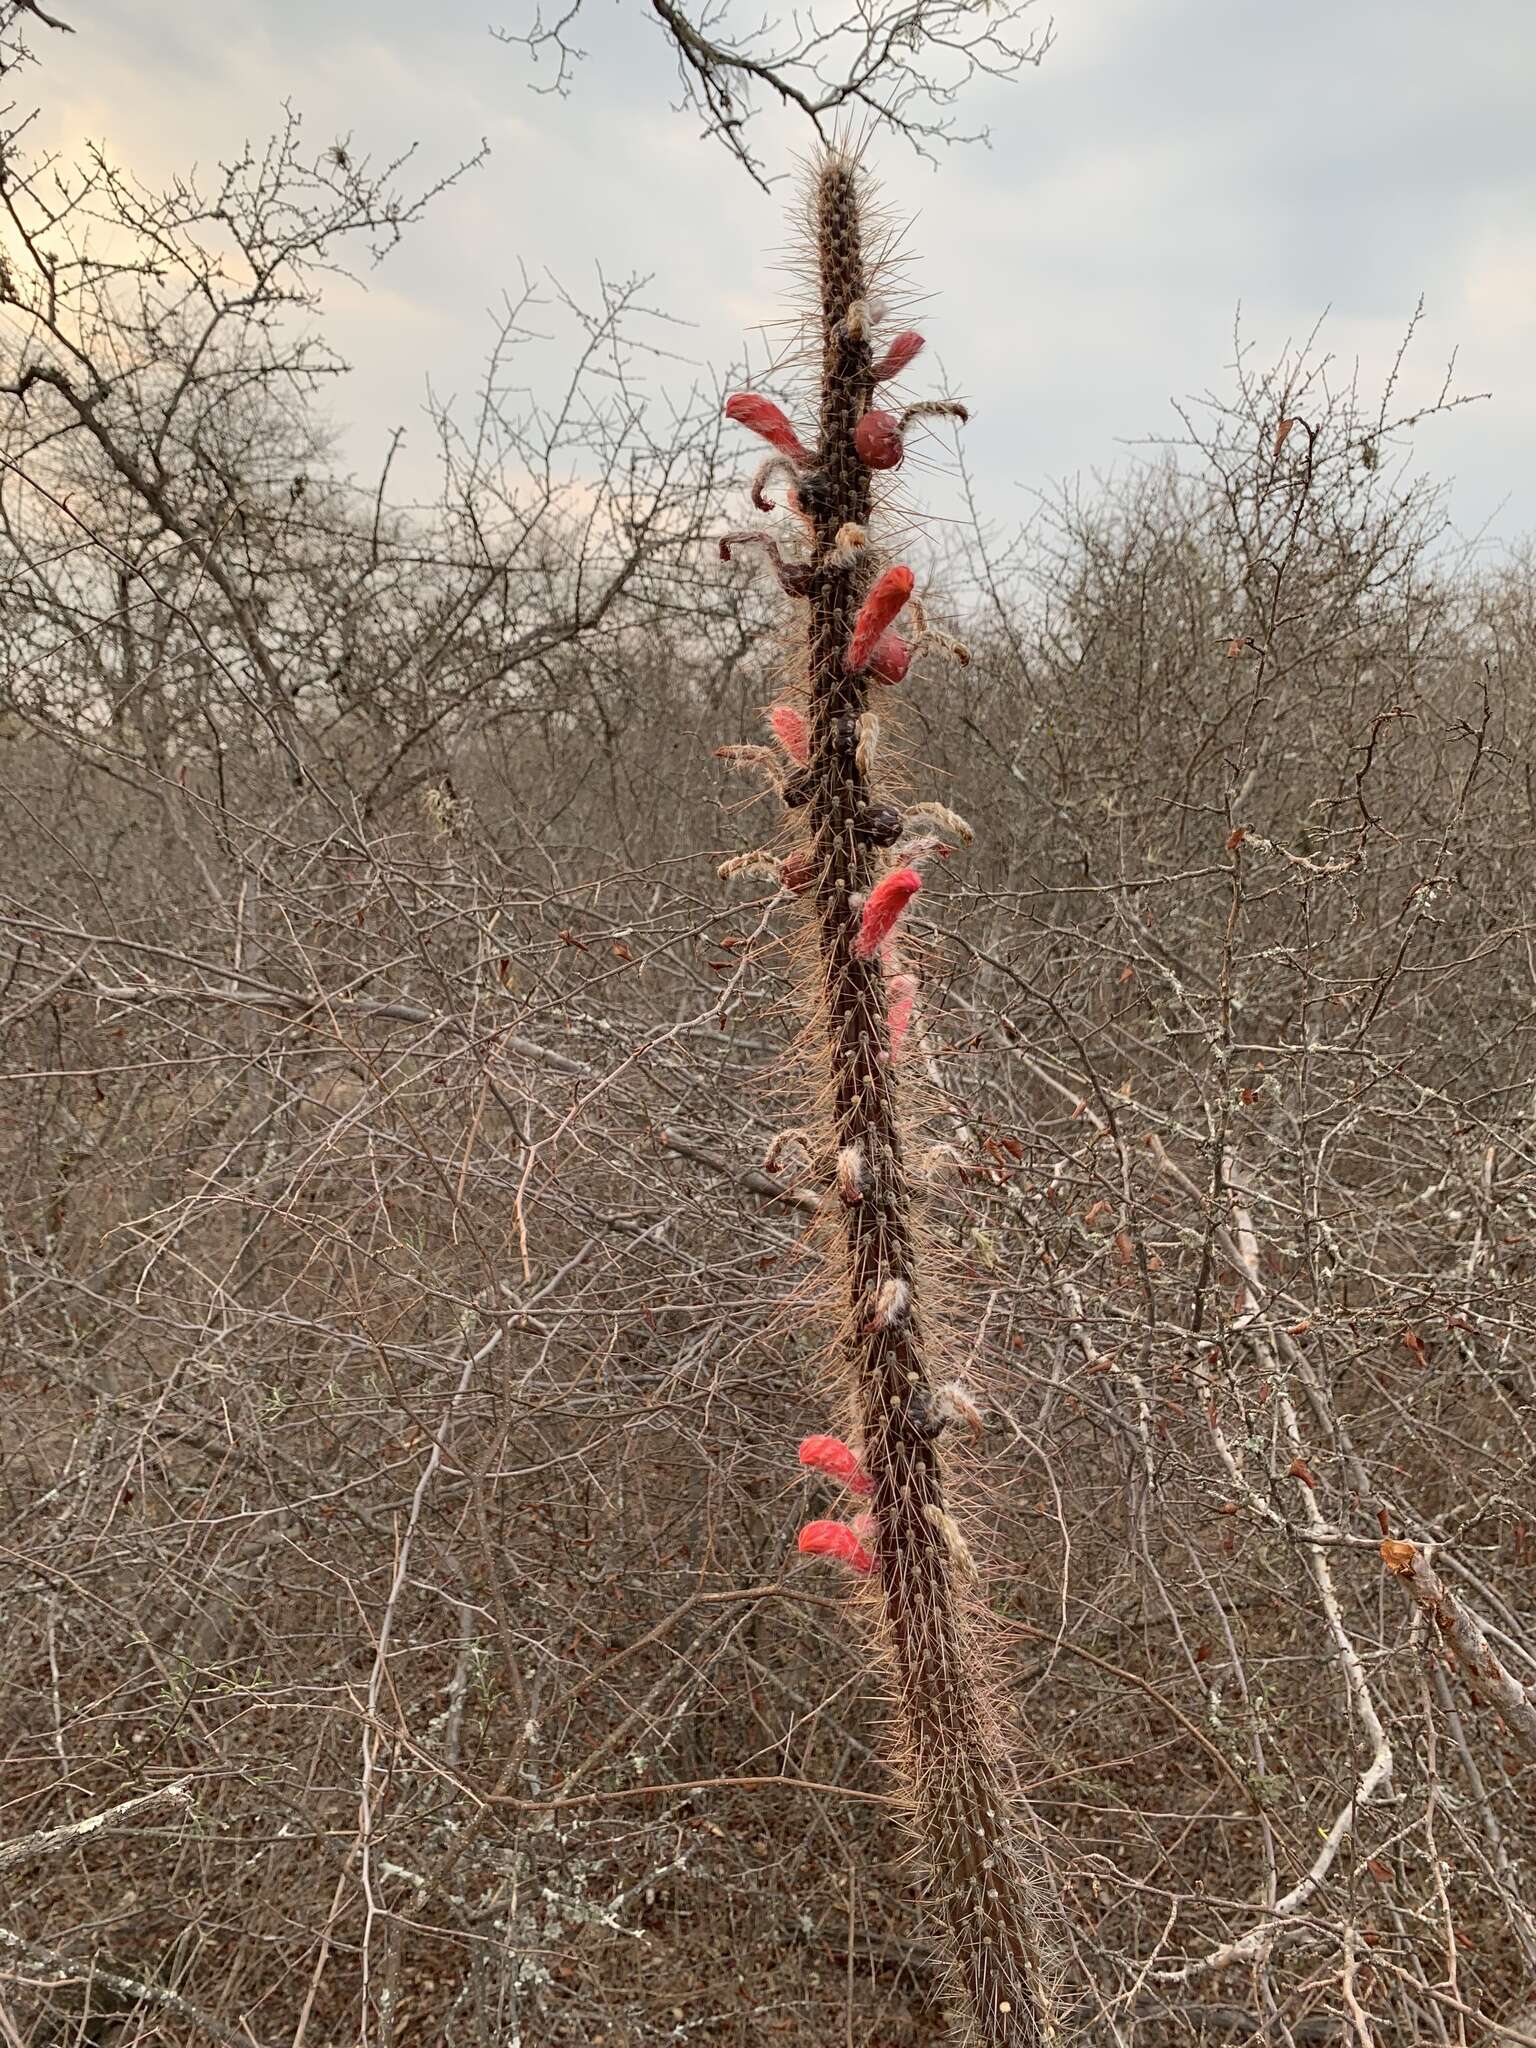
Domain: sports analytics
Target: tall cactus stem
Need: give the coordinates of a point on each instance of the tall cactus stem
(983, 1869)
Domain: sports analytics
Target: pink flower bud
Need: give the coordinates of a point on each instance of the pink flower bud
(831, 1455)
(835, 1539)
(883, 908)
(889, 659)
(898, 1016)
(887, 595)
(877, 441)
(762, 416)
(789, 730)
(900, 351)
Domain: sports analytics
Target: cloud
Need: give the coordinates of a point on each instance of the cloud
(1162, 166)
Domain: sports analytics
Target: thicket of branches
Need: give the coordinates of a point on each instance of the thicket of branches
(404, 1343)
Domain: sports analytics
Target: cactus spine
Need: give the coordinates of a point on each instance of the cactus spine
(981, 1868)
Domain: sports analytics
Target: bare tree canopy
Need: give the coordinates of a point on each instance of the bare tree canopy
(879, 65)
(424, 1267)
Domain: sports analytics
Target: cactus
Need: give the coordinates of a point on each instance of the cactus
(982, 1868)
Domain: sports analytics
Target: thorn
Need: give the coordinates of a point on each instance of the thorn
(745, 758)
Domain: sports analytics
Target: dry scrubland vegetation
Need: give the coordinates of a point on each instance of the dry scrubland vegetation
(405, 1346)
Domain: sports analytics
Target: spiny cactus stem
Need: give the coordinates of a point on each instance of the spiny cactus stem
(981, 1873)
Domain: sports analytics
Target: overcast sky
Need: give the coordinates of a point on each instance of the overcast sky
(1170, 159)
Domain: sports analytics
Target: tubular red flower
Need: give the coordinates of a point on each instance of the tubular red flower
(887, 595)
(788, 728)
(889, 659)
(900, 351)
(762, 416)
(883, 908)
(835, 1539)
(831, 1455)
(877, 441)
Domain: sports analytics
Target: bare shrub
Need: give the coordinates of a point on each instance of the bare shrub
(406, 1333)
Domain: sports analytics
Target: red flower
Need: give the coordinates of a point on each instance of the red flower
(883, 908)
(886, 597)
(763, 417)
(835, 1539)
(899, 352)
(831, 1455)
(789, 730)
